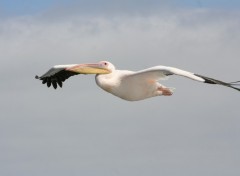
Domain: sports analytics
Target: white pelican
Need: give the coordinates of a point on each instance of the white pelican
(128, 85)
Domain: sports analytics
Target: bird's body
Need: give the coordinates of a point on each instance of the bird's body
(122, 85)
(128, 85)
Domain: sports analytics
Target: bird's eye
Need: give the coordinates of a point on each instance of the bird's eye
(105, 63)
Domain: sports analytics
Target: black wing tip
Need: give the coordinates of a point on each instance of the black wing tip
(49, 82)
(214, 81)
(53, 84)
(235, 83)
(206, 79)
(57, 79)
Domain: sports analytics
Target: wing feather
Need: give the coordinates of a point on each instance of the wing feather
(159, 72)
(56, 75)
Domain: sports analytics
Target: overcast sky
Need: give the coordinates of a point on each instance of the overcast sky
(82, 130)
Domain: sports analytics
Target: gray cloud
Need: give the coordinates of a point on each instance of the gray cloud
(80, 130)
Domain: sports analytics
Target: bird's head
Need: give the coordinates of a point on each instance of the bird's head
(103, 67)
(107, 65)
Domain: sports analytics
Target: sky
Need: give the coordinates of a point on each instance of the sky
(82, 130)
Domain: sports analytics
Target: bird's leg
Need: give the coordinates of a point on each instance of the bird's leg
(165, 91)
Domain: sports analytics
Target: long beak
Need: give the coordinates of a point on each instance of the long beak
(89, 69)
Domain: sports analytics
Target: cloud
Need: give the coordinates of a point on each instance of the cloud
(81, 129)
(161, 38)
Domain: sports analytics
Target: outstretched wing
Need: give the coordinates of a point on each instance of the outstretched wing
(57, 75)
(159, 72)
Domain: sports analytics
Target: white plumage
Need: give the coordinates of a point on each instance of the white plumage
(128, 85)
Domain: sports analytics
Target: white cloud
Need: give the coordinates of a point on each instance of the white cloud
(81, 124)
(165, 35)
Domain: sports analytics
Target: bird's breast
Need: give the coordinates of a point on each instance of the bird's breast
(107, 88)
(105, 83)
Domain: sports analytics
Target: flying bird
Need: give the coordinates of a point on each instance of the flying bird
(128, 85)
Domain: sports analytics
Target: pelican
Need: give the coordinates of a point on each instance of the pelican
(128, 85)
